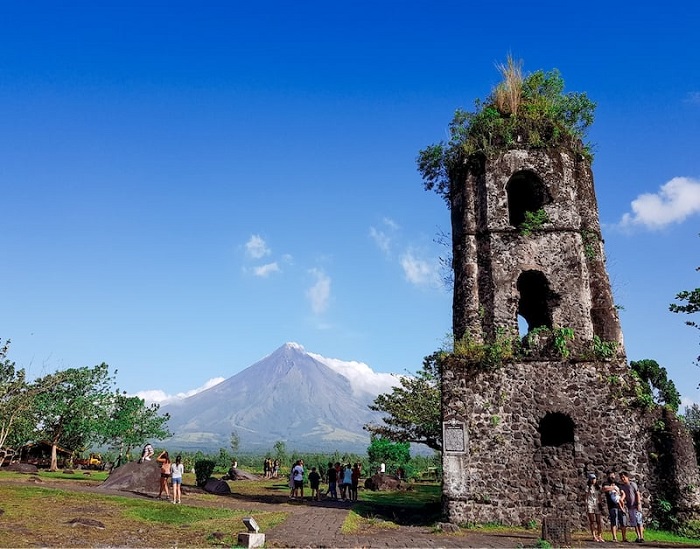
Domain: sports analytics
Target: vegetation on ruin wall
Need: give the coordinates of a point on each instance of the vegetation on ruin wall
(521, 112)
(538, 343)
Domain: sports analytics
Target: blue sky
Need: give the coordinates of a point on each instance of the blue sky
(187, 186)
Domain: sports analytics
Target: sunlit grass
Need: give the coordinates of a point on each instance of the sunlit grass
(355, 523)
(421, 494)
(651, 536)
(42, 515)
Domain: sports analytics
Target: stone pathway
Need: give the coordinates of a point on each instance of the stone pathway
(318, 525)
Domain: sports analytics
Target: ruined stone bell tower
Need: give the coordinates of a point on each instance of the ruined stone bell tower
(540, 394)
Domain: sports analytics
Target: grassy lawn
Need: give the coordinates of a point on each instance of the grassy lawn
(43, 516)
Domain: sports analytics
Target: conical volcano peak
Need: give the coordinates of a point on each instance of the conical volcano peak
(292, 395)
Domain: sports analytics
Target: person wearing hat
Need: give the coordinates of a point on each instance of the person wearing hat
(594, 510)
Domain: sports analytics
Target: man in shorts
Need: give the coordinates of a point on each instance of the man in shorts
(617, 517)
(633, 503)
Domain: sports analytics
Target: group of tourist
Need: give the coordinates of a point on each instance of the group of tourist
(343, 481)
(271, 468)
(624, 505)
(168, 472)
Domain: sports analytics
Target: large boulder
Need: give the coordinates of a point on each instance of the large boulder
(21, 468)
(143, 478)
(385, 482)
(217, 486)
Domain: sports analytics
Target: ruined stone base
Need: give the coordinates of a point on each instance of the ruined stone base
(247, 539)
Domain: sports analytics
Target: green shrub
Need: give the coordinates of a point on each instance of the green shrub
(533, 222)
(203, 468)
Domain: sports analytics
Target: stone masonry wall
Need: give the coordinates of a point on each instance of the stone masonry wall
(519, 439)
(507, 475)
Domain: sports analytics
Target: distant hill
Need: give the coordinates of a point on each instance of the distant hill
(307, 401)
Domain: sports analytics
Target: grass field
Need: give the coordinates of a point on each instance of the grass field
(39, 510)
(38, 515)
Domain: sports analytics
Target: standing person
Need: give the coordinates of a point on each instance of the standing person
(177, 470)
(617, 517)
(332, 481)
(341, 482)
(298, 477)
(165, 465)
(355, 481)
(346, 487)
(314, 483)
(633, 503)
(275, 468)
(593, 507)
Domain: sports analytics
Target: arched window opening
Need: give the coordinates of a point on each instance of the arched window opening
(556, 429)
(537, 300)
(526, 193)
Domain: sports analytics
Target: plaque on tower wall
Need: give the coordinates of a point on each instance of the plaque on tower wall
(454, 437)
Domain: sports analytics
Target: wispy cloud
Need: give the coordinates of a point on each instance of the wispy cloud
(161, 397)
(319, 294)
(383, 237)
(264, 271)
(256, 247)
(420, 272)
(675, 201)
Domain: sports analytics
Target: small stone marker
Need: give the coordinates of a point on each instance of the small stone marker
(253, 537)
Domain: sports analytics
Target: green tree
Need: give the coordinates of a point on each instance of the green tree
(131, 423)
(394, 454)
(413, 408)
(13, 389)
(521, 112)
(75, 412)
(17, 400)
(689, 304)
(280, 451)
(655, 384)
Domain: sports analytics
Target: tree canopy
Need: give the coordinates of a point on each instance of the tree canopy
(131, 423)
(75, 412)
(655, 383)
(17, 402)
(413, 408)
(72, 408)
(383, 450)
(521, 112)
(14, 398)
